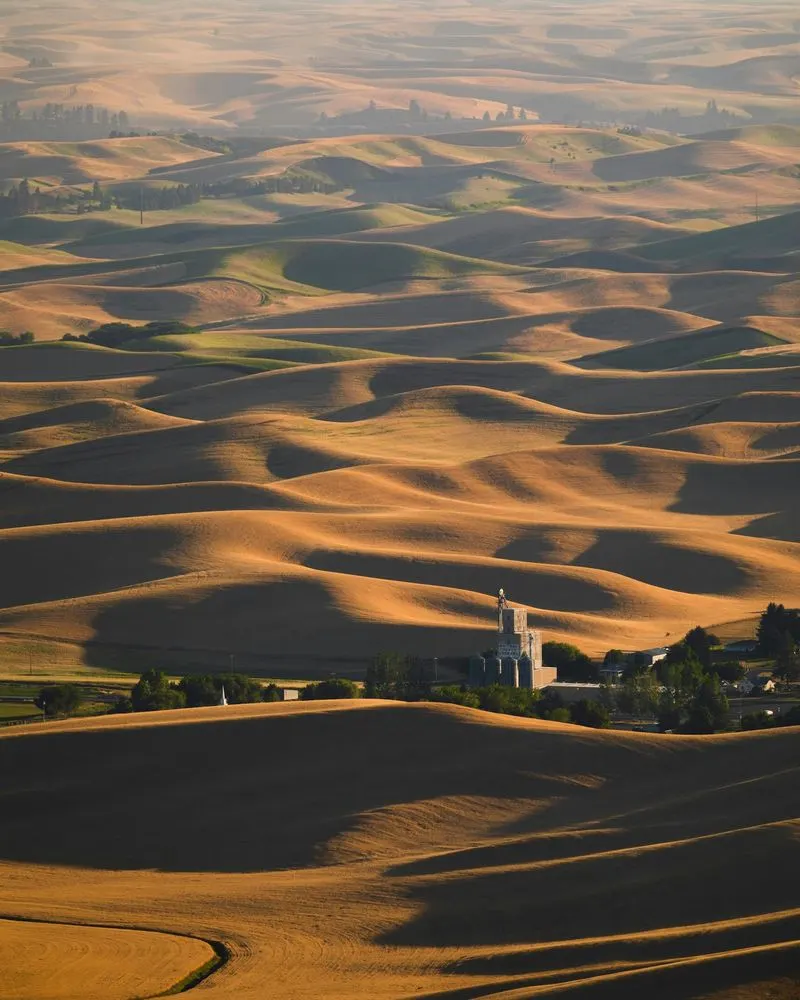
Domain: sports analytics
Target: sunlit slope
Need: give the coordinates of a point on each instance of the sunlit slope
(389, 494)
(62, 961)
(769, 238)
(467, 855)
(101, 160)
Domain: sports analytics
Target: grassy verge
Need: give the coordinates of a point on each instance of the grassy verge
(220, 957)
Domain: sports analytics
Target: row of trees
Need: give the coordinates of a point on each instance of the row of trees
(152, 199)
(766, 720)
(154, 692)
(78, 114)
(509, 115)
(8, 339)
(398, 678)
(673, 120)
(22, 199)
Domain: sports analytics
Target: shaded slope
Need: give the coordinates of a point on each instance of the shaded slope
(482, 852)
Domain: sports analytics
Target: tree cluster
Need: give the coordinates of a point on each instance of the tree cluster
(21, 199)
(509, 115)
(120, 335)
(333, 687)
(524, 702)
(152, 199)
(673, 120)
(401, 678)
(398, 678)
(15, 340)
(765, 720)
(778, 630)
(154, 692)
(83, 118)
(59, 699)
(571, 663)
(684, 690)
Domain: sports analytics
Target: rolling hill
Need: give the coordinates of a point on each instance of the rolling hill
(461, 296)
(467, 855)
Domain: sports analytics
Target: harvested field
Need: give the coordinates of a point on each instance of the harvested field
(466, 854)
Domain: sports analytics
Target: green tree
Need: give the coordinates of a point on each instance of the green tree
(757, 720)
(571, 663)
(729, 670)
(334, 687)
(199, 690)
(787, 667)
(791, 718)
(452, 694)
(154, 692)
(271, 692)
(776, 622)
(239, 689)
(393, 676)
(700, 721)
(701, 643)
(59, 699)
(638, 694)
(708, 708)
(591, 714)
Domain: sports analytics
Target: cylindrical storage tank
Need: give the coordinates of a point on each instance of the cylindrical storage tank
(510, 675)
(493, 670)
(525, 672)
(536, 649)
(477, 672)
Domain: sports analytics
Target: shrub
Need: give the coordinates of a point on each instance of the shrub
(757, 720)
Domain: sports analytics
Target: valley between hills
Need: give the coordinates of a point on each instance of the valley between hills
(411, 302)
(391, 402)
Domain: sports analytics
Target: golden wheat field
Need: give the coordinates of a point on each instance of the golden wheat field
(453, 296)
(431, 354)
(396, 850)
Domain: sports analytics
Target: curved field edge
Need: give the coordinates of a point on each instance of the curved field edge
(221, 953)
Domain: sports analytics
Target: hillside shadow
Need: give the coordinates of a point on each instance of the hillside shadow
(682, 865)
(250, 794)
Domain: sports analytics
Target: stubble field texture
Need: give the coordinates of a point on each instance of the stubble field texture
(432, 355)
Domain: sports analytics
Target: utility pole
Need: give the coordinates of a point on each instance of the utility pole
(141, 204)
